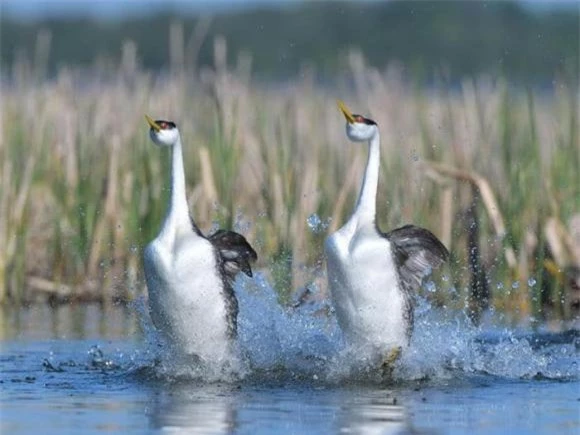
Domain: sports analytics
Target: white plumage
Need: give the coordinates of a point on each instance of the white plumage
(369, 305)
(190, 276)
(372, 275)
(186, 298)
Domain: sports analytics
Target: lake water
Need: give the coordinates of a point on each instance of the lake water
(85, 369)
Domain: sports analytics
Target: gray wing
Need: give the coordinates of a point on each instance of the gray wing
(235, 252)
(417, 252)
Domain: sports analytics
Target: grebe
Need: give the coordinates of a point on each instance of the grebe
(372, 275)
(190, 276)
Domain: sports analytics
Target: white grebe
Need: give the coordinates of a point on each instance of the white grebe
(372, 275)
(190, 276)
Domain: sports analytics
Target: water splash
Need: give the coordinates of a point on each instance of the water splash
(161, 360)
(305, 343)
(316, 224)
(446, 343)
(274, 337)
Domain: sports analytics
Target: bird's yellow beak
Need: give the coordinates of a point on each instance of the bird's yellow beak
(347, 114)
(152, 123)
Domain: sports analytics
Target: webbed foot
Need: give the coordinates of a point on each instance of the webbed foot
(389, 361)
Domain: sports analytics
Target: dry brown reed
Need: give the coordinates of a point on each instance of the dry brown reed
(83, 189)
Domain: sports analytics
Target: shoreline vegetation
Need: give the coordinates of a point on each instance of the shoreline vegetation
(491, 169)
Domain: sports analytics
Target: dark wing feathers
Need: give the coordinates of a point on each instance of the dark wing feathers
(235, 252)
(417, 252)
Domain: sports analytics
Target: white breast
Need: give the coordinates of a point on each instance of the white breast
(364, 288)
(186, 298)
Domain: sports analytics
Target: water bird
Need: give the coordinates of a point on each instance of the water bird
(372, 276)
(189, 275)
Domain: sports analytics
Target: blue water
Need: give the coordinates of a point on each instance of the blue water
(85, 369)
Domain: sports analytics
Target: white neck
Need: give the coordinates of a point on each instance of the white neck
(177, 218)
(365, 210)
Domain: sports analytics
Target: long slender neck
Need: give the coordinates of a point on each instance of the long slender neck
(366, 205)
(177, 218)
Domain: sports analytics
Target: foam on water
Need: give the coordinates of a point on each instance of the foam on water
(305, 343)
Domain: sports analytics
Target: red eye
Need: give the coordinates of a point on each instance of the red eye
(359, 118)
(163, 125)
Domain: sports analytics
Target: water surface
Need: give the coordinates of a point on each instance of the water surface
(98, 370)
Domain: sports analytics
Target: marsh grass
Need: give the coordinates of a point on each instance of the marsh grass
(83, 189)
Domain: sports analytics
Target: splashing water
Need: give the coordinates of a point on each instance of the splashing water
(305, 343)
(300, 378)
(316, 224)
(164, 361)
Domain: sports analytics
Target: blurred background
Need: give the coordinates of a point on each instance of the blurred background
(478, 105)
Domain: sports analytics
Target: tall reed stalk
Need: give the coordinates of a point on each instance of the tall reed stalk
(82, 189)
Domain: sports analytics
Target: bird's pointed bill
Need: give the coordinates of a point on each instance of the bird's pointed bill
(347, 113)
(152, 123)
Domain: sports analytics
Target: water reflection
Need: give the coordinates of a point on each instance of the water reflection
(374, 415)
(70, 321)
(207, 409)
(188, 408)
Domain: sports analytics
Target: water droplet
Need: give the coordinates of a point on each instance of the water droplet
(430, 286)
(499, 286)
(515, 285)
(531, 282)
(314, 222)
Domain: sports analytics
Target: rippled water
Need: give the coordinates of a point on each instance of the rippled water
(103, 371)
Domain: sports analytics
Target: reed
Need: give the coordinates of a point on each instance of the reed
(82, 188)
